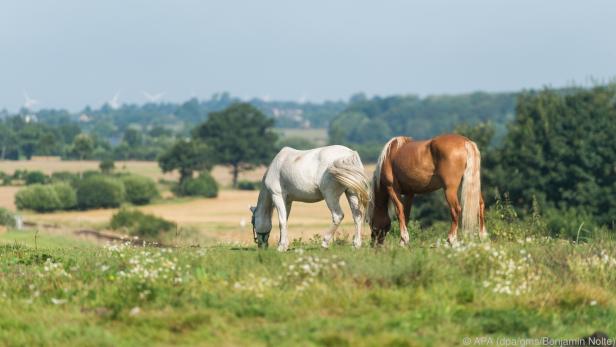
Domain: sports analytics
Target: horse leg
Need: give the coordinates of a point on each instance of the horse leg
(357, 217)
(483, 233)
(395, 197)
(288, 204)
(407, 201)
(451, 195)
(280, 204)
(333, 203)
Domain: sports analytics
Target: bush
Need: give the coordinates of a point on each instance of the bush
(5, 178)
(571, 223)
(36, 177)
(137, 223)
(46, 198)
(90, 173)
(98, 191)
(67, 196)
(20, 174)
(6, 218)
(106, 165)
(37, 197)
(65, 176)
(139, 190)
(248, 185)
(204, 185)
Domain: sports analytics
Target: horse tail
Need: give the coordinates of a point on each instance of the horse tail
(392, 144)
(471, 188)
(349, 171)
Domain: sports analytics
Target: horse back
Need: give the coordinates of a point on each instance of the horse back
(420, 166)
(299, 173)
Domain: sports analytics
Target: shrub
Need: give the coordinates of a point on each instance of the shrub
(571, 223)
(7, 180)
(65, 176)
(106, 165)
(38, 197)
(36, 177)
(90, 173)
(67, 196)
(6, 218)
(140, 224)
(98, 191)
(248, 185)
(19, 174)
(204, 185)
(139, 190)
(46, 198)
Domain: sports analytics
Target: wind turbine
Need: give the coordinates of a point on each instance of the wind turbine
(115, 103)
(153, 97)
(29, 103)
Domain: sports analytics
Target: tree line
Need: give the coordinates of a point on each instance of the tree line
(551, 148)
(368, 122)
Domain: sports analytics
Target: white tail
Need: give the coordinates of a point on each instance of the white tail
(471, 189)
(349, 171)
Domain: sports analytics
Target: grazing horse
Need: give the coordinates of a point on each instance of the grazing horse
(407, 167)
(310, 176)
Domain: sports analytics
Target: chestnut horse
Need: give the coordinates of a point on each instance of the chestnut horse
(407, 167)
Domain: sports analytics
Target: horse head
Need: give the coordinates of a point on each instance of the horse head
(380, 225)
(260, 228)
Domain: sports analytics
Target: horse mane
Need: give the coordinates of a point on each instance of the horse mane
(397, 141)
(376, 177)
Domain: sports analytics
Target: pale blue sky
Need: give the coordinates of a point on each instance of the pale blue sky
(69, 53)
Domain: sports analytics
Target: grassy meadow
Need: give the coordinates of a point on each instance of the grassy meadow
(211, 287)
(53, 293)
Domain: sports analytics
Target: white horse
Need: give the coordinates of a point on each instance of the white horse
(310, 176)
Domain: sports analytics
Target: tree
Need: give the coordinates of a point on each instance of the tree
(83, 146)
(559, 151)
(482, 133)
(160, 131)
(240, 136)
(8, 143)
(186, 157)
(29, 137)
(133, 137)
(372, 120)
(106, 165)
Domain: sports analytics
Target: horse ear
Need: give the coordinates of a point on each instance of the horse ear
(252, 209)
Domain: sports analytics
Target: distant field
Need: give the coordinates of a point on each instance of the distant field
(219, 219)
(317, 136)
(150, 169)
(216, 219)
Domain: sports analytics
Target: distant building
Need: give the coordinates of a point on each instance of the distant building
(30, 118)
(84, 118)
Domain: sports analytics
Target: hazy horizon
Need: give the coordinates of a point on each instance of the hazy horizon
(70, 53)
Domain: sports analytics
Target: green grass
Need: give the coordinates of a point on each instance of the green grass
(30, 238)
(427, 295)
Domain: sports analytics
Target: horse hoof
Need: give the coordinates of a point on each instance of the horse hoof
(483, 235)
(357, 244)
(282, 247)
(452, 242)
(325, 244)
(404, 243)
